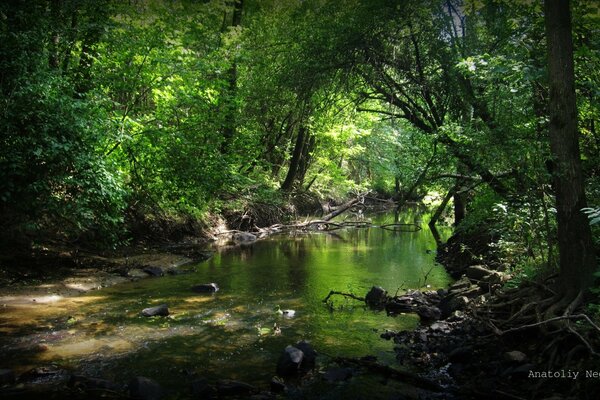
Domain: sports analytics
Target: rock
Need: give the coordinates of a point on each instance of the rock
(201, 389)
(398, 307)
(477, 272)
(88, 383)
(337, 374)
(7, 376)
(376, 297)
(136, 273)
(143, 388)
(450, 304)
(205, 288)
(161, 310)
(515, 356)
(154, 271)
(244, 238)
(289, 362)
(429, 313)
(228, 387)
(387, 335)
(461, 284)
(461, 354)
(277, 385)
(175, 271)
(310, 355)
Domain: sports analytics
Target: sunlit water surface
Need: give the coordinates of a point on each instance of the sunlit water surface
(229, 334)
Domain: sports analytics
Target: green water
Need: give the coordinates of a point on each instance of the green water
(229, 334)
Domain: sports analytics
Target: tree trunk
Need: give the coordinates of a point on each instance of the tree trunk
(290, 178)
(230, 125)
(460, 197)
(576, 250)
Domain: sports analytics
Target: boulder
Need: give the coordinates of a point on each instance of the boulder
(310, 355)
(244, 238)
(205, 288)
(377, 297)
(461, 284)
(7, 376)
(154, 271)
(161, 310)
(228, 387)
(289, 362)
(143, 388)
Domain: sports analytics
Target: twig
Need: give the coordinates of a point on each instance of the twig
(352, 296)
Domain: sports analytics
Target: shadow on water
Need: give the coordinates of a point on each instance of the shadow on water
(229, 334)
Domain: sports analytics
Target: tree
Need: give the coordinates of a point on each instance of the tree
(576, 249)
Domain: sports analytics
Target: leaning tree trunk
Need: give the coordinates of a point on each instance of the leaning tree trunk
(576, 250)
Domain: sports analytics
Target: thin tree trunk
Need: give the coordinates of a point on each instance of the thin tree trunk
(290, 178)
(576, 250)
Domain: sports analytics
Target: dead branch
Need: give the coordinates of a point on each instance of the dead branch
(350, 295)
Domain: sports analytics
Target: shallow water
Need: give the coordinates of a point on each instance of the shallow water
(229, 334)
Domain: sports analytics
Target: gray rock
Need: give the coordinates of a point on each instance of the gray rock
(205, 288)
(228, 387)
(154, 271)
(136, 273)
(7, 376)
(376, 297)
(289, 362)
(161, 310)
(244, 238)
(515, 356)
(143, 388)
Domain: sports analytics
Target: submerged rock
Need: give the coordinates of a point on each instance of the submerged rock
(290, 361)
(143, 388)
(228, 387)
(244, 238)
(337, 374)
(201, 389)
(310, 355)
(205, 288)
(376, 297)
(88, 383)
(161, 310)
(154, 271)
(7, 376)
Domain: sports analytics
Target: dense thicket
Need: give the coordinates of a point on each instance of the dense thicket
(115, 111)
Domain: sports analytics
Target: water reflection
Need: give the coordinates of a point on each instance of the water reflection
(227, 334)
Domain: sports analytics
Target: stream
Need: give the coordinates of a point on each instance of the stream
(229, 334)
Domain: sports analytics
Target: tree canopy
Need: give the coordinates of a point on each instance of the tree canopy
(187, 109)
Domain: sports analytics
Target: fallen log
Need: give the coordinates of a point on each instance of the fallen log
(340, 209)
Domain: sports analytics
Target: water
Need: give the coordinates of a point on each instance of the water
(230, 334)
